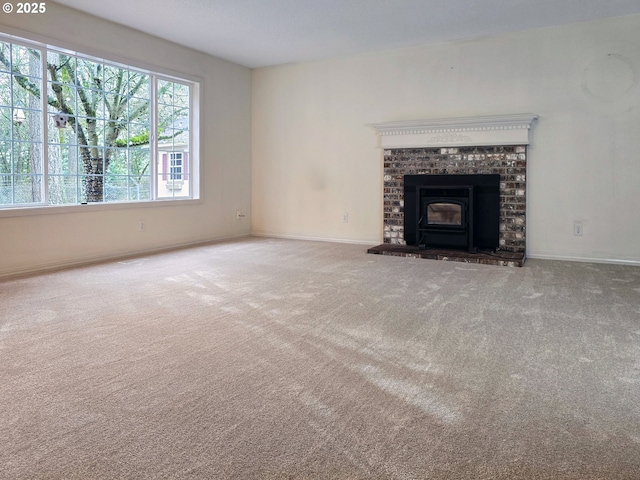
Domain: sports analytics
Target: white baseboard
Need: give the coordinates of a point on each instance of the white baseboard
(540, 256)
(575, 258)
(316, 239)
(53, 266)
(124, 255)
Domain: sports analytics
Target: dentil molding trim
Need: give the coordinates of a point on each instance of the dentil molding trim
(464, 131)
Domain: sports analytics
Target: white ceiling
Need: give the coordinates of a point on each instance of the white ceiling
(258, 33)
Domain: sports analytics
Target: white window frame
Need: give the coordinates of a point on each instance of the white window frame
(155, 73)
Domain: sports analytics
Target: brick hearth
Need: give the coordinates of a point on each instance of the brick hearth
(504, 259)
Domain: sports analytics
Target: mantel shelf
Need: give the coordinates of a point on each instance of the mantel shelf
(463, 131)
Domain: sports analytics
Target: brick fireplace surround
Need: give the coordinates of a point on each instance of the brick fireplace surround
(476, 145)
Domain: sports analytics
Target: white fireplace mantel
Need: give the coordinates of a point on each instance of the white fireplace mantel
(453, 132)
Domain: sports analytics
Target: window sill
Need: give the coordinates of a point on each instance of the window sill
(93, 207)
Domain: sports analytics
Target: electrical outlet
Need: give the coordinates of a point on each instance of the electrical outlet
(239, 215)
(142, 225)
(345, 217)
(578, 228)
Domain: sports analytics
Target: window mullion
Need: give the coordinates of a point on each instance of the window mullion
(153, 139)
(12, 128)
(189, 170)
(45, 127)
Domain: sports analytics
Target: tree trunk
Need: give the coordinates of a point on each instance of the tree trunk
(93, 182)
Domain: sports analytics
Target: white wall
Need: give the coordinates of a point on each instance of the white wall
(315, 157)
(32, 242)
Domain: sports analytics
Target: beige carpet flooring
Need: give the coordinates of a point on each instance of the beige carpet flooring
(283, 359)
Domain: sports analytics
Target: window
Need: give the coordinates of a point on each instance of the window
(21, 141)
(173, 138)
(175, 170)
(102, 132)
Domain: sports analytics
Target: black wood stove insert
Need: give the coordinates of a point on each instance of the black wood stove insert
(452, 211)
